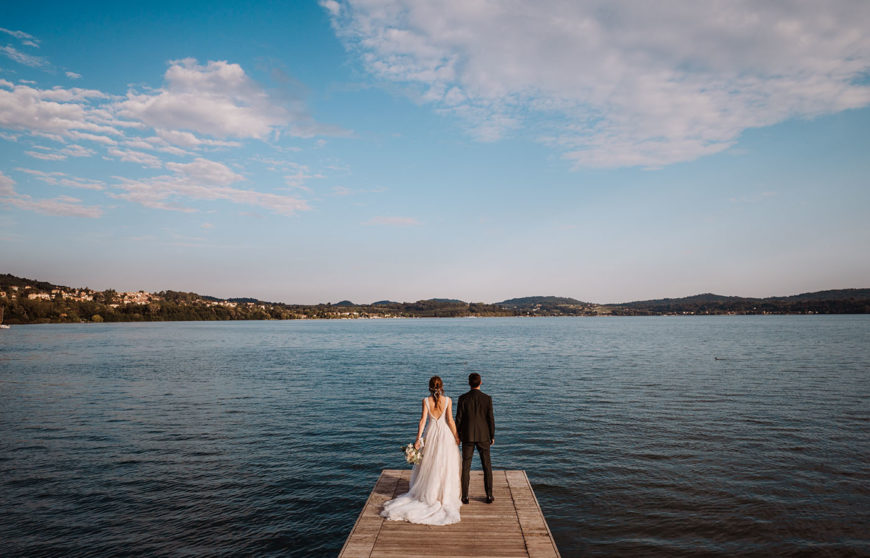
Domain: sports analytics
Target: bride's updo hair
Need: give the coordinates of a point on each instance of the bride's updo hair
(436, 388)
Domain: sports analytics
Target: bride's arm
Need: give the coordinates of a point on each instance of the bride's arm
(450, 422)
(420, 426)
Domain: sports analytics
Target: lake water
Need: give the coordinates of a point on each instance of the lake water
(265, 438)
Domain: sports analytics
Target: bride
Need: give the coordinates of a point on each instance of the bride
(433, 494)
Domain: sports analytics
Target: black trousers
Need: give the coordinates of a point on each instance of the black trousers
(467, 454)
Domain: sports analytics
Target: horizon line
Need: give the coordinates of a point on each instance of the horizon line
(341, 300)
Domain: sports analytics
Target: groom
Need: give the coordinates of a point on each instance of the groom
(476, 426)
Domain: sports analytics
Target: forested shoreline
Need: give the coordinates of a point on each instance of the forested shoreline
(26, 301)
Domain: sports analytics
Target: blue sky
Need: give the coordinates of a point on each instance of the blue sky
(310, 152)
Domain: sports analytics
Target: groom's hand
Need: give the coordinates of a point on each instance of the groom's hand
(492, 442)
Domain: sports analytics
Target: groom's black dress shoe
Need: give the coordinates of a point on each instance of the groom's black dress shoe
(490, 499)
(465, 500)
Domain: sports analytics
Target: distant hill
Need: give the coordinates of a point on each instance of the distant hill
(838, 294)
(7, 281)
(27, 301)
(705, 298)
(841, 301)
(710, 298)
(544, 301)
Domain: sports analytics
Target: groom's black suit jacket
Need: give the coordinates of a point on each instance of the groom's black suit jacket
(474, 419)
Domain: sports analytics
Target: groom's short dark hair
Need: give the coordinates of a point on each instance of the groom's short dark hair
(474, 379)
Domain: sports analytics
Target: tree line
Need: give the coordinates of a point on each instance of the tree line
(108, 306)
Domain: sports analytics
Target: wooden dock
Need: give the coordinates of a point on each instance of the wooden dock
(512, 526)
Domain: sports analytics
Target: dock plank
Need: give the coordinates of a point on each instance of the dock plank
(511, 527)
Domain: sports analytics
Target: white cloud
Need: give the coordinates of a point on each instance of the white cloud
(206, 172)
(300, 175)
(63, 179)
(199, 107)
(186, 139)
(23, 58)
(7, 185)
(131, 156)
(77, 151)
(333, 7)
(618, 83)
(25, 38)
(46, 156)
(217, 99)
(198, 101)
(51, 111)
(74, 94)
(61, 205)
(50, 177)
(202, 180)
(393, 221)
(156, 144)
(92, 137)
(80, 183)
(73, 75)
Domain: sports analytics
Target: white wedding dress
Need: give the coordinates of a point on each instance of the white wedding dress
(433, 493)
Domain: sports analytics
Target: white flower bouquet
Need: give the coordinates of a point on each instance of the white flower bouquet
(412, 455)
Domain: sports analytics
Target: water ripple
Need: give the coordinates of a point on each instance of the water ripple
(253, 438)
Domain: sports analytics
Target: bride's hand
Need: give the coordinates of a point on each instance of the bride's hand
(417, 444)
(458, 441)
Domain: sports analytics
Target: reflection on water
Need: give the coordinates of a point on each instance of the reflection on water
(642, 436)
